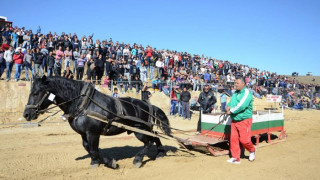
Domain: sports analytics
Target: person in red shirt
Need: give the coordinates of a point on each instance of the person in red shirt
(148, 52)
(5, 46)
(173, 98)
(18, 61)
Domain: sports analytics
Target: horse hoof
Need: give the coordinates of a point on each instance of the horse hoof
(114, 164)
(94, 166)
(137, 165)
(160, 155)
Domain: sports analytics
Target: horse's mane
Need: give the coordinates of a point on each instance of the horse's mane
(67, 88)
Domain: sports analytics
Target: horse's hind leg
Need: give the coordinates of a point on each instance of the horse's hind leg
(96, 159)
(161, 152)
(147, 140)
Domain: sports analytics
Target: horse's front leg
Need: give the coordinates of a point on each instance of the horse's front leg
(147, 140)
(96, 159)
(85, 143)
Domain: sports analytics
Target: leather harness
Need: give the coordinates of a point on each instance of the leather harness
(88, 93)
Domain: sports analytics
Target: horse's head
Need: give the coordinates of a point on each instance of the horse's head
(38, 99)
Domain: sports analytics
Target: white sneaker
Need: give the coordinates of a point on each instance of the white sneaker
(233, 161)
(252, 155)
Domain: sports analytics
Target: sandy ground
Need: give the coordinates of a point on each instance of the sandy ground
(54, 150)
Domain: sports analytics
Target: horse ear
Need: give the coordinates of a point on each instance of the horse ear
(44, 80)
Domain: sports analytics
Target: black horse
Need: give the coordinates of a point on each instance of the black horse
(69, 95)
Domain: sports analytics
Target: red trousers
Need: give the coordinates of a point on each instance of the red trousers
(240, 133)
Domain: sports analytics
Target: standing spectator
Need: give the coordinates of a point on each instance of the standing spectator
(76, 56)
(126, 53)
(151, 67)
(206, 100)
(27, 61)
(8, 54)
(240, 110)
(45, 53)
(50, 63)
(67, 57)
(185, 97)
(91, 70)
(223, 100)
(38, 62)
(7, 35)
(80, 66)
(99, 63)
(136, 83)
(2, 63)
(145, 94)
(134, 71)
(173, 98)
(26, 41)
(57, 68)
(59, 54)
(148, 53)
(14, 38)
(108, 66)
(143, 73)
(39, 30)
(160, 66)
(18, 60)
(179, 102)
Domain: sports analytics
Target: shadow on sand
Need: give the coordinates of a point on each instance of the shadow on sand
(124, 152)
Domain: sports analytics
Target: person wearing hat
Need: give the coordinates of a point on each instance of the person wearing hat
(206, 100)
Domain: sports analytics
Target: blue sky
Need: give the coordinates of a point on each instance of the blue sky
(280, 36)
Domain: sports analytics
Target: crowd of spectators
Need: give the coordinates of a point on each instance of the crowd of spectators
(131, 66)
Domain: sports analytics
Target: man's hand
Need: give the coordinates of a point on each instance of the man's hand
(228, 110)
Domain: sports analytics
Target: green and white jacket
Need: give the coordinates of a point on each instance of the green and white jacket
(241, 105)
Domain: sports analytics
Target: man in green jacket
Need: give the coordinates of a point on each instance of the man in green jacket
(240, 110)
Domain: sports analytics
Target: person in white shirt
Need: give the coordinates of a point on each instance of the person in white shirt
(160, 66)
(8, 54)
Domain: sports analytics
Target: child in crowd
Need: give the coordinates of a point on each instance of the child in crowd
(115, 93)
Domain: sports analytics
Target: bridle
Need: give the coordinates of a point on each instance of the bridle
(37, 106)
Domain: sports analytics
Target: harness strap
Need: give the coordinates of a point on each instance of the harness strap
(87, 92)
(150, 120)
(118, 106)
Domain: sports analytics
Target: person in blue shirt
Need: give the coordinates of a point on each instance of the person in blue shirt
(14, 37)
(206, 77)
(223, 99)
(156, 84)
(39, 30)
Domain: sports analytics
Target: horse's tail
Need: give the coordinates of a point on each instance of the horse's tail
(162, 121)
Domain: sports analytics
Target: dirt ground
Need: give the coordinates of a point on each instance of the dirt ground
(54, 150)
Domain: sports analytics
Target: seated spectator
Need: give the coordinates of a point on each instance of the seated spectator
(137, 84)
(68, 73)
(156, 84)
